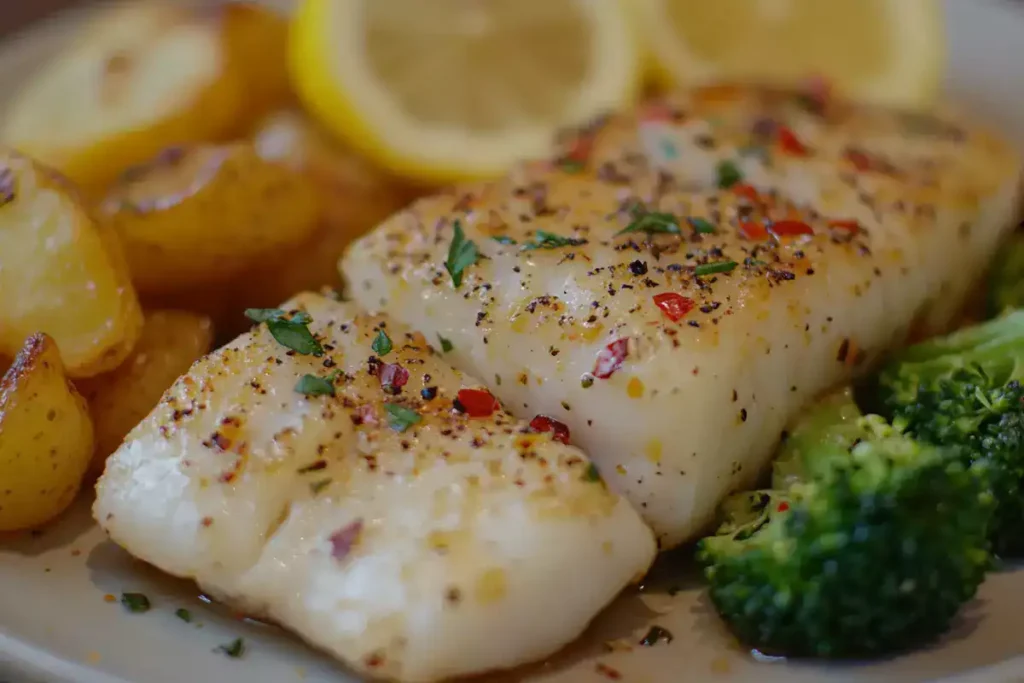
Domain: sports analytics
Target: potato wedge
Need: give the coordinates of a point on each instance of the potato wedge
(46, 437)
(61, 272)
(118, 400)
(139, 78)
(199, 215)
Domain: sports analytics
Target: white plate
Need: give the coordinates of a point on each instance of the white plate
(55, 623)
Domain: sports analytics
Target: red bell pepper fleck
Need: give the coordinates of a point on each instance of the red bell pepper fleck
(746, 191)
(580, 150)
(790, 143)
(477, 402)
(753, 230)
(543, 423)
(610, 358)
(394, 376)
(674, 306)
(790, 229)
(783, 506)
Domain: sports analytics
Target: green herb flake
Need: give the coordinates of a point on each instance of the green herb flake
(317, 486)
(234, 649)
(715, 267)
(651, 222)
(311, 385)
(183, 614)
(135, 602)
(591, 473)
(382, 344)
(292, 333)
(400, 418)
(446, 344)
(702, 226)
(462, 253)
(504, 239)
(728, 174)
(542, 239)
(262, 315)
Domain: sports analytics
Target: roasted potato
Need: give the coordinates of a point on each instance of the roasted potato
(197, 216)
(46, 437)
(118, 400)
(144, 76)
(61, 272)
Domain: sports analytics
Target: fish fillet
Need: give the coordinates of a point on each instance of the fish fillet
(812, 237)
(414, 543)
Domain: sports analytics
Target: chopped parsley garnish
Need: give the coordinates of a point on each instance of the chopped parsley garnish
(504, 239)
(183, 614)
(400, 418)
(446, 344)
(319, 485)
(135, 602)
(728, 174)
(382, 344)
(234, 649)
(651, 222)
(292, 333)
(591, 473)
(542, 239)
(702, 226)
(311, 385)
(462, 253)
(715, 267)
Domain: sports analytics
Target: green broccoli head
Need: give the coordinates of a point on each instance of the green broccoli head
(964, 392)
(872, 546)
(1006, 278)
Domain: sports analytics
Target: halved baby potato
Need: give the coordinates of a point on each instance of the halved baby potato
(46, 437)
(61, 272)
(199, 215)
(143, 76)
(118, 400)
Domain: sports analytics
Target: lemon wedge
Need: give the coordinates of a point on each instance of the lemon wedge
(451, 90)
(880, 51)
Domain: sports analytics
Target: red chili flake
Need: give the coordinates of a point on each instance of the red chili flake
(790, 229)
(783, 506)
(753, 230)
(477, 402)
(790, 143)
(393, 375)
(580, 150)
(207, 521)
(860, 160)
(674, 306)
(543, 423)
(610, 358)
(848, 225)
(746, 191)
(344, 539)
(608, 672)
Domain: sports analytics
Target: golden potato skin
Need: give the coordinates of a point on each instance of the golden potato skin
(257, 46)
(140, 77)
(46, 437)
(118, 400)
(199, 215)
(61, 272)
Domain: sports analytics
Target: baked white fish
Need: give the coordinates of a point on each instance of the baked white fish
(686, 276)
(413, 529)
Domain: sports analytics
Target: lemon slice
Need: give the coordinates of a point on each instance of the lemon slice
(882, 51)
(459, 89)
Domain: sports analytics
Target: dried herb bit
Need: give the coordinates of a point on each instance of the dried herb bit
(503, 239)
(656, 635)
(314, 466)
(319, 485)
(542, 239)
(651, 222)
(311, 385)
(462, 253)
(591, 473)
(262, 315)
(728, 174)
(446, 345)
(714, 267)
(234, 649)
(382, 344)
(183, 614)
(292, 333)
(701, 226)
(401, 418)
(135, 602)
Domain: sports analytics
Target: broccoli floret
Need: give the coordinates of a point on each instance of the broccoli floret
(1006, 278)
(868, 542)
(964, 391)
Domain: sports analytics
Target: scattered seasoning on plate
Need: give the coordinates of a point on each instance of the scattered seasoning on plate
(462, 253)
(542, 239)
(235, 649)
(382, 344)
(611, 358)
(714, 267)
(592, 473)
(311, 385)
(674, 306)
(790, 228)
(503, 239)
(446, 345)
(607, 671)
(543, 423)
(292, 333)
(701, 226)
(183, 614)
(400, 418)
(476, 402)
(728, 174)
(656, 635)
(135, 602)
(318, 486)
(651, 223)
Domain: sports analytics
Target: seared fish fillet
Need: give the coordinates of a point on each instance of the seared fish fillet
(684, 277)
(412, 540)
